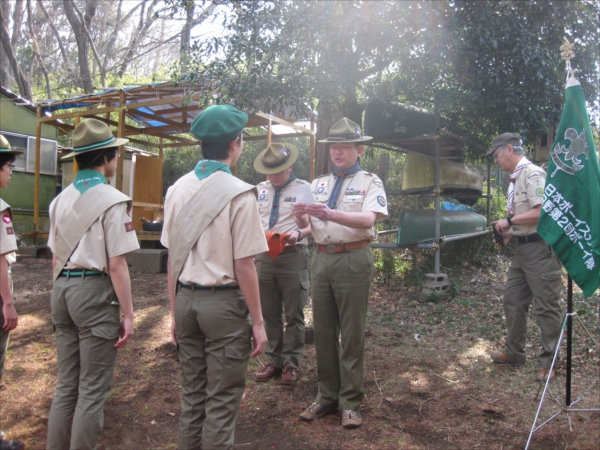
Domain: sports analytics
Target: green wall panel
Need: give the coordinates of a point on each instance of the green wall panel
(20, 120)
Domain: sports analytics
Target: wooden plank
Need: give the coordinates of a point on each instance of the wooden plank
(147, 187)
(148, 237)
(284, 122)
(148, 205)
(89, 112)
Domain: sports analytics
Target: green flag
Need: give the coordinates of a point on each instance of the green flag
(570, 216)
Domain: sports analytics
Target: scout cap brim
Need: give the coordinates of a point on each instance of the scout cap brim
(276, 158)
(116, 143)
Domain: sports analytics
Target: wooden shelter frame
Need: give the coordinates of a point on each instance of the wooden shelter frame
(172, 107)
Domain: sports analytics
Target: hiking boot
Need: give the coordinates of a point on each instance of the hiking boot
(351, 419)
(317, 410)
(501, 358)
(542, 375)
(290, 375)
(267, 373)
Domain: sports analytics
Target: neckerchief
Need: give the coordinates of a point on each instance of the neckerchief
(275, 208)
(205, 167)
(87, 178)
(339, 179)
(511, 187)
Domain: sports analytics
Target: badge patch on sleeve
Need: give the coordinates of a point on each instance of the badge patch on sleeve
(129, 227)
(6, 218)
(263, 195)
(539, 192)
(381, 200)
(9, 230)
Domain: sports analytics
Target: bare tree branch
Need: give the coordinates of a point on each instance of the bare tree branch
(56, 34)
(36, 50)
(22, 81)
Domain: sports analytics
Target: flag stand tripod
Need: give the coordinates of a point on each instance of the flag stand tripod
(568, 406)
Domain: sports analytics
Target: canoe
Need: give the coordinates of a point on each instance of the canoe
(456, 180)
(419, 225)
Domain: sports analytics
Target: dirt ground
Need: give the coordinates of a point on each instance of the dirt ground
(429, 381)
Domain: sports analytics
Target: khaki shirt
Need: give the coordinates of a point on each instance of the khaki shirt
(360, 193)
(8, 240)
(285, 221)
(235, 233)
(529, 192)
(112, 234)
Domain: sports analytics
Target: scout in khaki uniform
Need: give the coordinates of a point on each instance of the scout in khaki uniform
(535, 270)
(212, 230)
(8, 245)
(90, 233)
(348, 203)
(283, 281)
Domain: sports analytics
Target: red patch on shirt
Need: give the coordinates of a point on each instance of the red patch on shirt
(129, 227)
(6, 218)
(9, 230)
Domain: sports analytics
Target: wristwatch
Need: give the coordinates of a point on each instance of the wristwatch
(300, 236)
(509, 219)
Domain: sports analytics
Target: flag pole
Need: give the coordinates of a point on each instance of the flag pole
(569, 339)
(548, 226)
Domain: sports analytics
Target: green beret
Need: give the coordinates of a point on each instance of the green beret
(219, 123)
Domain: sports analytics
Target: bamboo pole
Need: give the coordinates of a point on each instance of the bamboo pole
(120, 133)
(36, 185)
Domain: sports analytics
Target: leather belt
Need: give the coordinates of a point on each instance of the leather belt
(79, 273)
(341, 248)
(199, 287)
(529, 238)
(289, 248)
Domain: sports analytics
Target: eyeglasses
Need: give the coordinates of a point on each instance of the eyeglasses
(11, 166)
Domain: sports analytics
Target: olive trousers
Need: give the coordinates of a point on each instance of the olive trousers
(213, 330)
(4, 335)
(535, 271)
(284, 288)
(340, 292)
(85, 312)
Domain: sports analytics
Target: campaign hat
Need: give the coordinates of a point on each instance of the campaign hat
(502, 140)
(219, 123)
(276, 158)
(5, 147)
(345, 131)
(91, 135)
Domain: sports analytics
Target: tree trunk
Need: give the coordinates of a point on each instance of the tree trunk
(4, 63)
(187, 27)
(22, 81)
(85, 80)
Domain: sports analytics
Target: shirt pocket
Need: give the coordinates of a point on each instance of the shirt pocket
(266, 203)
(322, 197)
(353, 202)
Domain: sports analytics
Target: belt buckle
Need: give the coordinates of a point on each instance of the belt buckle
(330, 249)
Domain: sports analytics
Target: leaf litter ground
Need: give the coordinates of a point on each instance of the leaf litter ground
(429, 381)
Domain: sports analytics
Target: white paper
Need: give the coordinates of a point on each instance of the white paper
(303, 195)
